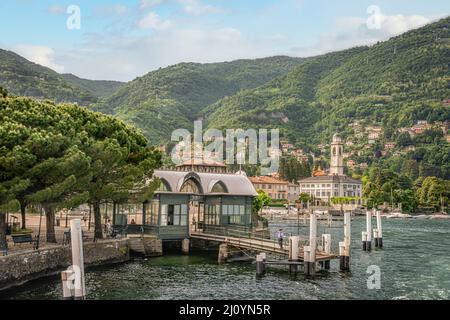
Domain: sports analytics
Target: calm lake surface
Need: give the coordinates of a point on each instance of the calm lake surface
(414, 264)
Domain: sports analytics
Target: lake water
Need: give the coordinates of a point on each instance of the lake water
(414, 264)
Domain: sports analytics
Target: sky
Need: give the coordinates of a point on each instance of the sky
(124, 39)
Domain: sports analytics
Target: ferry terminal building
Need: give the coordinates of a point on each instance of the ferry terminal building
(196, 197)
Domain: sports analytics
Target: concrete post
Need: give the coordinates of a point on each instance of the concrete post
(78, 259)
(185, 246)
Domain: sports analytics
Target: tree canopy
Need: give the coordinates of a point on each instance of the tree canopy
(64, 155)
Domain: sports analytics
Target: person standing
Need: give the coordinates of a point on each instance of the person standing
(280, 237)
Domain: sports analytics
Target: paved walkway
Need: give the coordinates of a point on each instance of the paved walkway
(32, 222)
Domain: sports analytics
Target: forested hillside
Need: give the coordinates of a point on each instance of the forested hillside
(98, 88)
(173, 97)
(393, 83)
(25, 78)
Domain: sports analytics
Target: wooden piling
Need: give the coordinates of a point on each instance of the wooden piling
(341, 256)
(78, 259)
(312, 244)
(364, 240)
(347, 240)
(293, 253)
(306, 260)
(326, 244)
(369, 230)
(185, 246)
(223, 253)
(67, 284)
(259, 266)
(380, 230)
(375, 237)
(264, 259)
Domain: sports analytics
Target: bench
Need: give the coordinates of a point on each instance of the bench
(67, 237)
(24, 238)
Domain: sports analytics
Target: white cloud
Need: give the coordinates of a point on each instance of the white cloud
(111, 10)
(133, 57)
(42, 55)
(398, 24)
(354, 31)
(149, 3)
(57, 10)
(196, 8)
(153, 21)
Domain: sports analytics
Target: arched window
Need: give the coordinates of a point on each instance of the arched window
(334, 151)
(219, 187)
(190, 186)
(164, 186)
(340, 151)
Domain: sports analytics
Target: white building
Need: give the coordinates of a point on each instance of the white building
(324, 187)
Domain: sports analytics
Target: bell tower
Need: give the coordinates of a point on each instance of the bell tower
(337, 159)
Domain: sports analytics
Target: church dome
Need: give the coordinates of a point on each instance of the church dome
(337, 138)
(319, 172)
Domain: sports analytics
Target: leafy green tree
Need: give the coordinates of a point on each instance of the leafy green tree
(433, 191)
(306, 197)
(3, 92)
(261, 201)
(404, 139)
(8, 191)
(63, 150)
(60, 183)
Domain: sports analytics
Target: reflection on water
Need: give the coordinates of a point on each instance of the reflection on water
(414, 264)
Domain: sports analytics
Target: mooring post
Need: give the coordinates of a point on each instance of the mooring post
(310, 264)
(259, 266)
(306, 260)
(364, 240)
(293, 253)
(185, 246)
(369, 230)
(347, 239)
(67, 284)
(380, 230)
(342, 256)
(223, 253)
(326, 244)
(375, 237)
(264, 259)
(78, 259)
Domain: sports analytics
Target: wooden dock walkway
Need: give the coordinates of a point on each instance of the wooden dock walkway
(260, 245)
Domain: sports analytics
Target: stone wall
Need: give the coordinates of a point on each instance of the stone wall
(153, 247)
(18, 268)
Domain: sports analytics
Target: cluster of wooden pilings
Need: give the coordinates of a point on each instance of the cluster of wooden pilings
(366, 237)
(312, 254)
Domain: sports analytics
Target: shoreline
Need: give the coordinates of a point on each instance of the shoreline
(22, 267)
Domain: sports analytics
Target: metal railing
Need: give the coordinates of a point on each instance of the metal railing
(245, 236)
